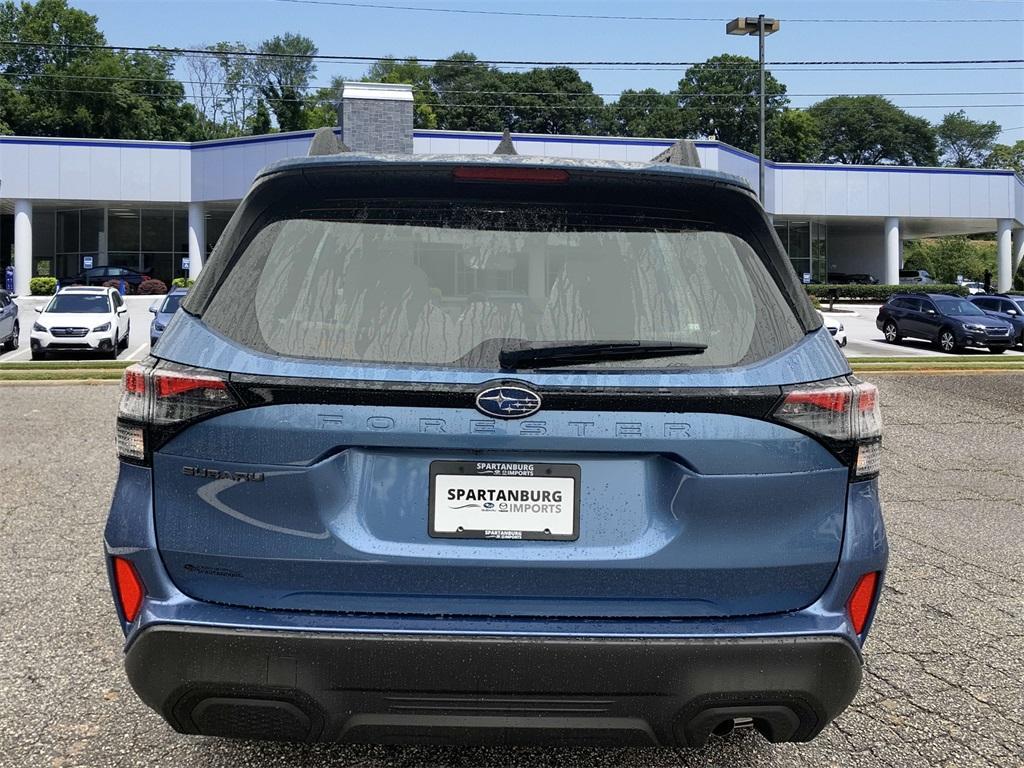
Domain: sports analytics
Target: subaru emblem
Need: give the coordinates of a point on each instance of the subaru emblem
(508, 402)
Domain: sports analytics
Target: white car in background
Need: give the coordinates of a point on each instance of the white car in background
(836, 328)
(83, 319)
(974, 288)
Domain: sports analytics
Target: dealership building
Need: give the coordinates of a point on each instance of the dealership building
(159, 207)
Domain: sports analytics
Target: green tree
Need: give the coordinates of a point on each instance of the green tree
(259, 122)
(50, 22)
(241, 75)
(965, 143)
(947, 258)
(646, 113)
(73, 91)
(871, 130)
(411, 72)
(720, 99)
(284, 71)
(1007, 156)
(794, 136)
(552, 100)
(470, 96)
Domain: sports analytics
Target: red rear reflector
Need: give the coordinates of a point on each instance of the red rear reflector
(867, 400)
(129, 588)
(861, 600)
(499, 173)
(135, 380)
(169, 386)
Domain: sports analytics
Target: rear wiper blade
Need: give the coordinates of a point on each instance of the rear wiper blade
(548, 354)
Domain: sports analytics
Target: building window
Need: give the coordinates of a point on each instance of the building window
(806, 244)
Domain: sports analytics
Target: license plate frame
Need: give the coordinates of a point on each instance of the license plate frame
(517, 476)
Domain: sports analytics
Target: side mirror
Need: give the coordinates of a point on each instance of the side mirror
(39, 310)
(153, 308)
(121, 310)
(1012, 312)
(930, 311)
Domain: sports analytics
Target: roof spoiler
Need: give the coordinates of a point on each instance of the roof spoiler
(505, 146)
(326, 142)
(683, 152)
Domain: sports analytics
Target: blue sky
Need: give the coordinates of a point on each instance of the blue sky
(366, 31)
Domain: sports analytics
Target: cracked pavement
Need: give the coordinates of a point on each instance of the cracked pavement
(945, 662)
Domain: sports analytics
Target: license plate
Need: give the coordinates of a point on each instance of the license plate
(504, 500)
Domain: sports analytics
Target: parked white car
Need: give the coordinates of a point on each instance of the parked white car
(83, 319)
(974, 288)
(836, 328)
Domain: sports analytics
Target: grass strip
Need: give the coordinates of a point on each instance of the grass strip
(63, 374)
(937, 368)
(938, 359)
(118, 365)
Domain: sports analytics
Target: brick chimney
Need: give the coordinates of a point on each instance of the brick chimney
(376, 117)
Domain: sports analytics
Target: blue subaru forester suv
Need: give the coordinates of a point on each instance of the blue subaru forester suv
(501, 450)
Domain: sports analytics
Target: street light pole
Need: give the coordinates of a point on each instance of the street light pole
(760, 68)
(762, 27)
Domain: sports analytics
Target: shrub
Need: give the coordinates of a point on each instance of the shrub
(42, 286)
(815, 301)
(182, 282)
(881, 293)
(151, 287)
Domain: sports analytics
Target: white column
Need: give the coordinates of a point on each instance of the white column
(1016, 250)
(22, 246)
(892, 251)
(1004, 280)
(196, 239)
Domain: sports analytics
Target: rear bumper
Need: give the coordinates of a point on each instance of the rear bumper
(379, 677)
(362, 687)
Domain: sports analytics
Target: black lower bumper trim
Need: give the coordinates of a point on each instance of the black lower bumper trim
(302, 686)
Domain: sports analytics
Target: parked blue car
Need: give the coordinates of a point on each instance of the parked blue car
(496, 449)
(1009, 309)
(163, 310)
(950, 322)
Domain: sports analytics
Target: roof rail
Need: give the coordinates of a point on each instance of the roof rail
(326, 142)
(683, 152)
(505, 146)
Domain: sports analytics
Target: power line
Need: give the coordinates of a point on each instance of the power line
(617, 94)
(495, 106)
(601, 17)
(538, 63)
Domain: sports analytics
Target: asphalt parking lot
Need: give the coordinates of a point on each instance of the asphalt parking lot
(944, 665)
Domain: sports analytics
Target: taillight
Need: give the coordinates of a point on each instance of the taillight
(862, 599)
(511, 174)
(845, 415)
(130, 590)
(157, 401)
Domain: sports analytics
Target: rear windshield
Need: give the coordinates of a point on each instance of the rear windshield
(79, 303)
(451, 286)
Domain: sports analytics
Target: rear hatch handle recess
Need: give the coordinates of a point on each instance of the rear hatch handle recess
(549, 354)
